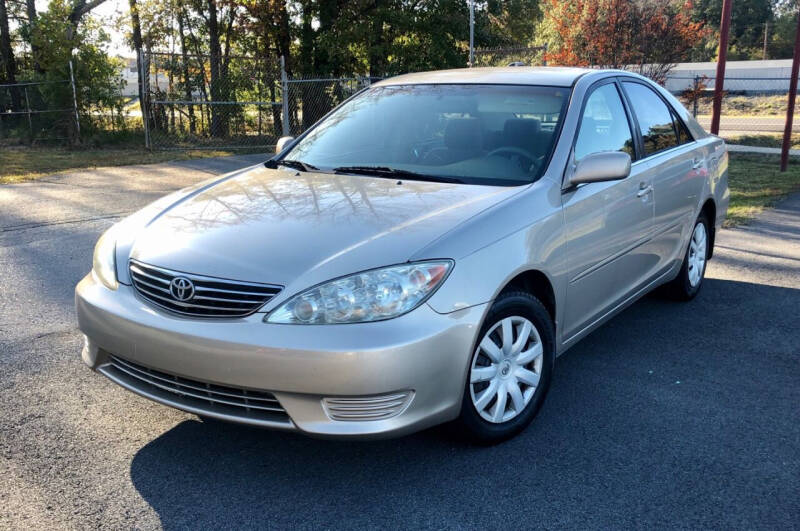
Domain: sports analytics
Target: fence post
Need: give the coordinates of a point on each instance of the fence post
(145, 87)
(544, 54)
(28, 106)
(74, 104)
(719, 81)
(284, 97)
(787, 130)
(471, 33)
(696, 92)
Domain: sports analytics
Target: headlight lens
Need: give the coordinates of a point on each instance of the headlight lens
(369, 296)
(104, 261)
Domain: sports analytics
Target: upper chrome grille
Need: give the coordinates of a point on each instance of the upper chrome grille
(199, 397)
(213, 297)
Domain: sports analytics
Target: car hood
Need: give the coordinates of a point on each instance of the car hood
(276, 226)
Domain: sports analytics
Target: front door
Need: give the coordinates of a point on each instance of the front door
(609, 224)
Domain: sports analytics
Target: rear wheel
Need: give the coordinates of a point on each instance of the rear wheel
(510, 369)
(690, 278)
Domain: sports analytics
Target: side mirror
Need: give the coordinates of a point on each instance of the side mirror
(599, 167)
(282, 142)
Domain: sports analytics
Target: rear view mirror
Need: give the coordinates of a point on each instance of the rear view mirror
(599, 167)
(282, 143)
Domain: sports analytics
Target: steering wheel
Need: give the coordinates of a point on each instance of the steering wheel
(435, 156)
(512, 152)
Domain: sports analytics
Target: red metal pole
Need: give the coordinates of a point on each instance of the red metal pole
(719, 81)
(787, 130)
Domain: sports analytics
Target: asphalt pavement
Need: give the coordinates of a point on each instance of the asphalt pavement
(672, 415)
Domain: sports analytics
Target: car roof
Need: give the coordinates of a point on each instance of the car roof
(554, 76)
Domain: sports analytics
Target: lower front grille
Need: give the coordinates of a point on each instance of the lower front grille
(246, 405)
(379, 407)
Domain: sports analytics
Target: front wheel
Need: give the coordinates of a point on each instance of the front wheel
(690, 278)
(510, 369)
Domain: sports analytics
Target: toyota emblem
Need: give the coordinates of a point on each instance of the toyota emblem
(181, 288)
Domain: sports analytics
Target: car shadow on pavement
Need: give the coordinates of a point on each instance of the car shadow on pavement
(671, 414)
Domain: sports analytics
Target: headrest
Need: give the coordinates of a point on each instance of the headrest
(521, 131)
(464, 134)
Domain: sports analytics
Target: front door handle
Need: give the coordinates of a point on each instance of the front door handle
(697, 163)
(644, 189)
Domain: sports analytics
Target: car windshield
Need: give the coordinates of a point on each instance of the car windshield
(475, 134)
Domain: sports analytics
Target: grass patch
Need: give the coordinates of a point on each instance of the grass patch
(744, 105)
(773, 140)
(756, 183)
(23, 164)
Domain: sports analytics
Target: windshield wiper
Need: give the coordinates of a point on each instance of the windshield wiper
(296, 164)
(394, 173)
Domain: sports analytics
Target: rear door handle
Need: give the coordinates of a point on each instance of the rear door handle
(644, 189)
(697, 163)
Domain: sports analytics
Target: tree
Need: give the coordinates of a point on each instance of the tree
(781, 37)
(746, 37)
(9, 67)
(136, 33)
(61, 41)
(508, 22)
(646, 36)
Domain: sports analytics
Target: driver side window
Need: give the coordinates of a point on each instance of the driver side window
(604, 125)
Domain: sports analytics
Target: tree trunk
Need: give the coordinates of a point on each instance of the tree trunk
(187, 84)
(136, 29)
(9, 65)
(205, 112)
(376, 56)
(284, 37)
(217, 120)
(307, 38)
(283, 42)
(307, 66)
(30, 8)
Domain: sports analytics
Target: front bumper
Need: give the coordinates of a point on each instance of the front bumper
(423, 354)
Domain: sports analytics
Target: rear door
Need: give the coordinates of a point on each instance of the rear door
(678, 168)
(608, 224)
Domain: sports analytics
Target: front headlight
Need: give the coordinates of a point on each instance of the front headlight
(369, 296)
(104, 261)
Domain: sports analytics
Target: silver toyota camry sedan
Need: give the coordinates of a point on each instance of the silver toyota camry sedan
(421, 255)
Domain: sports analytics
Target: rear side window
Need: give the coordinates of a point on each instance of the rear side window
(684, 137)
(604, 125)
(654, 117)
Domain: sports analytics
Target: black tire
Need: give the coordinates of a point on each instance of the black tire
(470, 422)
(681, 288)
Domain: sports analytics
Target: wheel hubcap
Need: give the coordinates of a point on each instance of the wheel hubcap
(506, 368)
(697, 254)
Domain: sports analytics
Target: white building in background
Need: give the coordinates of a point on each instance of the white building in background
(130, 79)
(746, 76)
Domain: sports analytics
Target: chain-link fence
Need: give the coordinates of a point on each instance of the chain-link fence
(247, 103)
(196, 101)
(37, 112)
(192, 101)
(309, 99)
(749, 104)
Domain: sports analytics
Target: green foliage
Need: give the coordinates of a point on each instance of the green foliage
(95, 72)
(748, 19)
(781, 38)
(54, 41)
